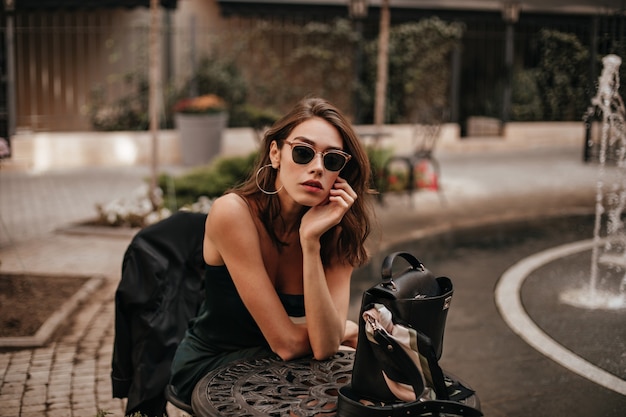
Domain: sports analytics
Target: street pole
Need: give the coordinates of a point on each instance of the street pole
(155, 67)
(382, 64)
(9, 39)
(510, 14)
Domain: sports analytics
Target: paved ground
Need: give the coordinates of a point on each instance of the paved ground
(70, 376)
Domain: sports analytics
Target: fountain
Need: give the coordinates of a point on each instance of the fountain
(608, 253)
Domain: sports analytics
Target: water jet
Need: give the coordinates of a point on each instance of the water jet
(608, 254)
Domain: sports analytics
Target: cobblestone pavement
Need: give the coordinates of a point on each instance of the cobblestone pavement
(69, 377)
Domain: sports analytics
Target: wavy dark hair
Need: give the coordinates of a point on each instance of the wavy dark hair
(349, 243)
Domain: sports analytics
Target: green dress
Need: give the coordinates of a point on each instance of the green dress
(223, 332)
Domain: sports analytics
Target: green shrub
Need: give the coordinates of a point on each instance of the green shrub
(378, 157)
(210, 180)
(561, 75)
(252, 116)
(525, 101)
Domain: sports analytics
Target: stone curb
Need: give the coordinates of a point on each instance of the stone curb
(47, 329)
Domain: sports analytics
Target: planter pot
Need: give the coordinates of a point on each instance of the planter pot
(200, 136)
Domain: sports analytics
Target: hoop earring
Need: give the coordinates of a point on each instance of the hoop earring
(259, 186)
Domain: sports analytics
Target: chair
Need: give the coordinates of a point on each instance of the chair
(422, 169)
(160, 291)
(170, 396)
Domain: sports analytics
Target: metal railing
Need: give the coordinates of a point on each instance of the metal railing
(63, 58)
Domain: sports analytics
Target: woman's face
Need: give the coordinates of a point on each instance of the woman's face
(307, 184)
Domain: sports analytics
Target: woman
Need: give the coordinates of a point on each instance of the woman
(280, 249)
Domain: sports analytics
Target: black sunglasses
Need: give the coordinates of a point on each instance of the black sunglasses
(303, 153)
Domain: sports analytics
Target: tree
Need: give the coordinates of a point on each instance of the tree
(562, 75)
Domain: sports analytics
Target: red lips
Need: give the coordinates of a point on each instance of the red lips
(314, 184)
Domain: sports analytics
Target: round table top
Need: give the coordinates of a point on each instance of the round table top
(269, 386)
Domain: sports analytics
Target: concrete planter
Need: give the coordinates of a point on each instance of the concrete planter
(200, 136)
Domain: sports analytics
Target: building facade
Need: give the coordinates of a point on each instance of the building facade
(59, 57)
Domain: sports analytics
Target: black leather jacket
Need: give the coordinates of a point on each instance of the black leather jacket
(160, 291)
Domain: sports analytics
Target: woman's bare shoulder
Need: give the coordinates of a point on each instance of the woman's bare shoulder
(229, 207)
(230, 201)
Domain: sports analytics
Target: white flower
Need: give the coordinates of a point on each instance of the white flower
(137, 210)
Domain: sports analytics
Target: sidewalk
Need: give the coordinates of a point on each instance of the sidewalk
(70, 377)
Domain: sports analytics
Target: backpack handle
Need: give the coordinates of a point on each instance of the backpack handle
(387, 267)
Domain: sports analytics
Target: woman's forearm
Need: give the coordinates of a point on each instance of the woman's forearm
(324, 324)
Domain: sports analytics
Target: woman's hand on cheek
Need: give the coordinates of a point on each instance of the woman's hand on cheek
(322, 217)
(342, 194)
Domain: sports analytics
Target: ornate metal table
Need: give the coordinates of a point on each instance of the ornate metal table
(268, 386)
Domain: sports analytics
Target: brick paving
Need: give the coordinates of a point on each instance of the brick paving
(69, 377)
